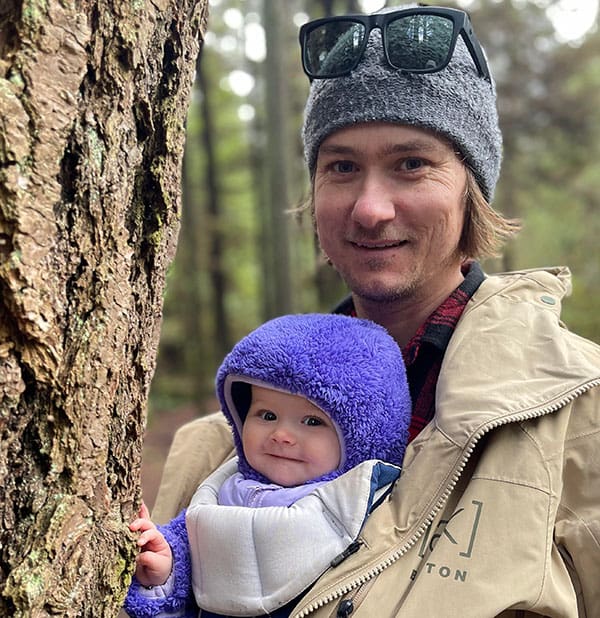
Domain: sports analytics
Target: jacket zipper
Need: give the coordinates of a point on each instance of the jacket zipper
(429, 519)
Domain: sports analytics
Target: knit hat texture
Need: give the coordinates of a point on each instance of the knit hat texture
(456, 102)
(350, 368)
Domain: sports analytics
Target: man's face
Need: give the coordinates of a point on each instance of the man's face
(389, 208)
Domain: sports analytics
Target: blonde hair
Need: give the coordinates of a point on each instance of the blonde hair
(485, 231)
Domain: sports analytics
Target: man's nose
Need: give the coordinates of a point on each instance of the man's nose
(373, 205)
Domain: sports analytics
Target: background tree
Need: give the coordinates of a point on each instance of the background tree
(93, 99)
(277, 285)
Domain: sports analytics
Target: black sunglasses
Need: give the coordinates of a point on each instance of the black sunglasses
(417, 40)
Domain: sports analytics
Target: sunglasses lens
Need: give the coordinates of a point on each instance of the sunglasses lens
(419, 42)
(333, 48)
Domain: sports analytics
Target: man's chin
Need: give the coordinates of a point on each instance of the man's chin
(380, 291)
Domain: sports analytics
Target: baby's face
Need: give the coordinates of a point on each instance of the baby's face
(288, 439)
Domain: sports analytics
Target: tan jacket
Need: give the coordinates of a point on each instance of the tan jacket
(497, 510)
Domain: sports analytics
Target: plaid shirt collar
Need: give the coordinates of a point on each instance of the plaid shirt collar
(440, 325)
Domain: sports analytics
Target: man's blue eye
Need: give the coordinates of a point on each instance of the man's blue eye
(413, 164)
(344, 167)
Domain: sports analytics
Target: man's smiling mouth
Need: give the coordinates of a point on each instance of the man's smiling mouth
(380, 244)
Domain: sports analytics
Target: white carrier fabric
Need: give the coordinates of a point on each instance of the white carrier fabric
(262, 558)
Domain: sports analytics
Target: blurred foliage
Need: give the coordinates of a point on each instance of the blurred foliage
(549, 103)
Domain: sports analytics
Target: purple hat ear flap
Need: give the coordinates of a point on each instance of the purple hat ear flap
(241, 395)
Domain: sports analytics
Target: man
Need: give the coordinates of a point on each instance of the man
(497, 510)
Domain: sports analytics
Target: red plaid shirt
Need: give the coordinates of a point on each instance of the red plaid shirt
(423, 354)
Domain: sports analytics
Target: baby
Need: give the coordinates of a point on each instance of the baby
(319, 409)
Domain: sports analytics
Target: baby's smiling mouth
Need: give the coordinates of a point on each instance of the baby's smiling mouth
(283, 457)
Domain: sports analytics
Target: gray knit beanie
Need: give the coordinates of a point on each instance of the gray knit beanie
(456, 102)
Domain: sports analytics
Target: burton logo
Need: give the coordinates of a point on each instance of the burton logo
(460, 532)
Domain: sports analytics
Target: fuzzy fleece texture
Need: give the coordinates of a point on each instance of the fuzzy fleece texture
(350, 368)
(455, 102)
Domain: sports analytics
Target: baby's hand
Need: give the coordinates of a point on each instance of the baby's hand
(155, 560)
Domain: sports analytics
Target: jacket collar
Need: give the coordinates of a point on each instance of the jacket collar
(510, 356)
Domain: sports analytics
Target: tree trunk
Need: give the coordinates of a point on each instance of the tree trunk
(93, 99)
(277, 245)
(215, 220)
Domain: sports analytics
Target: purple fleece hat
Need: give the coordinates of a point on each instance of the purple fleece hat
(350, 368)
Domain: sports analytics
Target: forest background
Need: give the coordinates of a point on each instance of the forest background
(244, 256)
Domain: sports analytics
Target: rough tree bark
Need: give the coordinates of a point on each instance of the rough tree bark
(93, 99)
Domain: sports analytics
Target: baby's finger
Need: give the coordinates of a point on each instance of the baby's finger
(141, 524)
(144, 512)
(135, 525)
(148, 536)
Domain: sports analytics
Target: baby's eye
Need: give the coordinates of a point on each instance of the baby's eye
(312, 421)
(267, 415)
